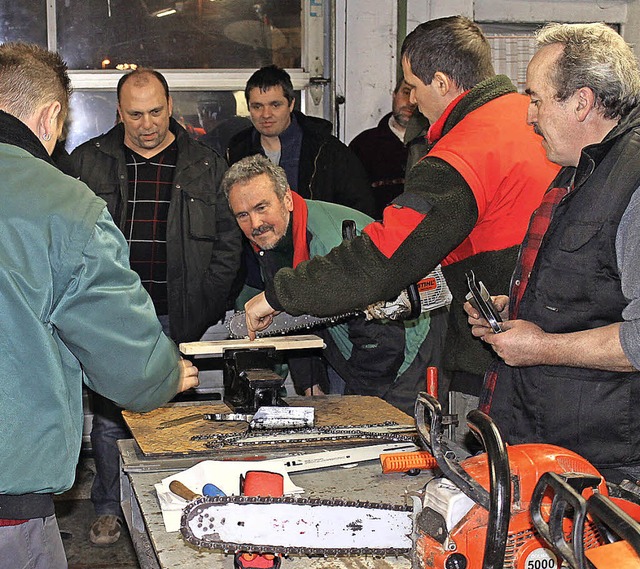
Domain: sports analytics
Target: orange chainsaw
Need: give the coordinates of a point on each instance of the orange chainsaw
(562, 515)
(474, 515)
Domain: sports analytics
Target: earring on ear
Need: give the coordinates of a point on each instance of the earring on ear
(46, 137)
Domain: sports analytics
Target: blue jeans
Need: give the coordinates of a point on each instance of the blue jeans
(108, 427)
(35, 544)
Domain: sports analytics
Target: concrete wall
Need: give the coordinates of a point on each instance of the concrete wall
(367, 43)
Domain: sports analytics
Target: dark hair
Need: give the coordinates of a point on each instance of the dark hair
(31, 76)
(268, 77)
(597, 57)
(143, 72)
(454, 46)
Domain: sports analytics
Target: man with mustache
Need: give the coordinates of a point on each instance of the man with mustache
(162, 189)
(387, 359)
(318, 165)
(382, 150)
(570, 353)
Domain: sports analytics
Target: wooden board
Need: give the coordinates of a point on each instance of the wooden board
(157, 438)
(218, 347)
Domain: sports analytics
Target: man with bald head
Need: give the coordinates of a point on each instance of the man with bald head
(162, 189)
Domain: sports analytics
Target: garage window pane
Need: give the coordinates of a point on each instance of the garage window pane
(188, 34)
(211, 116)
(25, 20)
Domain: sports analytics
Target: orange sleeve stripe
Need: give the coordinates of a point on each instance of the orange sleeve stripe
(396, 225)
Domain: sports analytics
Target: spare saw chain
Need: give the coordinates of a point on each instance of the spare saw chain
(387, 431)
(297, 526)
(283, 323)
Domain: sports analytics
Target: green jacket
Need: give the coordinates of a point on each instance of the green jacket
(369, 355)
(72, 311)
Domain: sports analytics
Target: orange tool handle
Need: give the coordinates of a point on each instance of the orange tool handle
(432, 381)
(405, 461)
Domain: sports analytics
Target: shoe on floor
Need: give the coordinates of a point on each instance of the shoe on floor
(105, 530)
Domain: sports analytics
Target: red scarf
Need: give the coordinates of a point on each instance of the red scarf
(299, 221)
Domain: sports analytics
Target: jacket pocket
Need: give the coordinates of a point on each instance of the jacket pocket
(570, 274)
(201, 217)
(578, 235)
(591, 417)
(109, 193)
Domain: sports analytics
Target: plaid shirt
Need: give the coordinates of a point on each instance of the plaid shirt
(150, 184)
(538, 226)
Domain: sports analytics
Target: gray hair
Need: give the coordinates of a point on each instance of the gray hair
(31, 76)
(251, 167)
(597, 57)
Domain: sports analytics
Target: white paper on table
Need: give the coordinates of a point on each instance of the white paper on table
(225, 474)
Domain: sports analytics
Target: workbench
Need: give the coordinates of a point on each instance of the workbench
(157, 549)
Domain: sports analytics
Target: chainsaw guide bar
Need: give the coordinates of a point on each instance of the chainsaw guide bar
(283, 323)
(297, 526)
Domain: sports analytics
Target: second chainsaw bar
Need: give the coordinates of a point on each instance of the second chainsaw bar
(297, 526)
(388, 431)
(283, 323)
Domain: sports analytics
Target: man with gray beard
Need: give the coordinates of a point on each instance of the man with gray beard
(382, 150)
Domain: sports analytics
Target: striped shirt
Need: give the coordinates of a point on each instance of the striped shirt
(150, 184)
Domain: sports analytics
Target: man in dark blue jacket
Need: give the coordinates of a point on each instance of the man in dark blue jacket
(318, 165)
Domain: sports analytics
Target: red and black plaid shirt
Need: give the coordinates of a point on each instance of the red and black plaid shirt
(538, 226)
(150, 183)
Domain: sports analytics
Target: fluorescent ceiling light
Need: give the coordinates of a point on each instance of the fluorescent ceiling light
(167, 12)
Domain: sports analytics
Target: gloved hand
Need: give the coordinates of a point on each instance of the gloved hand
(396, 309)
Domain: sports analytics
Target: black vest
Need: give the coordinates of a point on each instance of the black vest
(575, 285)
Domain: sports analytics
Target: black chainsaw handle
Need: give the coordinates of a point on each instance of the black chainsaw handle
(565, 503)
(499, 488)
(498, 500)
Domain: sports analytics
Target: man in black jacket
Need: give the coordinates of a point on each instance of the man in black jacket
(162, 189)
(318, 165)
(382, 150)
(569, 367)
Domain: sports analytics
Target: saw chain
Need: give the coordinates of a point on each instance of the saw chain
(283, 323)
(387, 431)
(222, 522)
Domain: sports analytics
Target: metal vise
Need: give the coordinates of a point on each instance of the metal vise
(250, 381)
